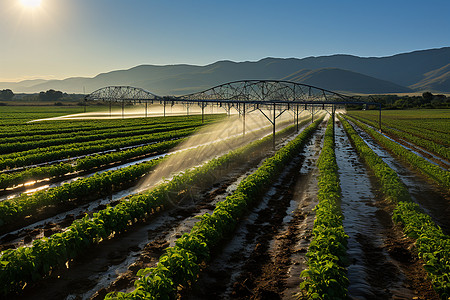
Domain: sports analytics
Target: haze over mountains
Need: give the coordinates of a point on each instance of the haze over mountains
(425, 70)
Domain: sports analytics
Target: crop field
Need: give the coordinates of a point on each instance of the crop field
(176, 208)
(428, 129)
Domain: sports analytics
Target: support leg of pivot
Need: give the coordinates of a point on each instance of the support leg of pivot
(273, 133)
(243, 120)
(203, 113)
(379, 118)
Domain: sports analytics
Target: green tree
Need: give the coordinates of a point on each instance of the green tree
(6, 95)
(427, 96)
(400, 104)
(50, 95)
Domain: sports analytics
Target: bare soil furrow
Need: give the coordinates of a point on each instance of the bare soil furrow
(382, 262)
(112, 265)
(431, 198)
(260, 261)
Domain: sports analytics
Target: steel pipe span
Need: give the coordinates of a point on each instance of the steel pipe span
(271, 97)
(243, 91)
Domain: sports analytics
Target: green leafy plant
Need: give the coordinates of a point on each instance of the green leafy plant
(26, 264)
(325, 277)
(430, 170)
(178, 270)
(432, 245)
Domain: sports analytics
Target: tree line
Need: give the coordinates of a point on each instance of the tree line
(47, 96)
(426, 100)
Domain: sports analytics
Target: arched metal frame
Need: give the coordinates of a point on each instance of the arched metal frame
(275, 96)
(123, 94)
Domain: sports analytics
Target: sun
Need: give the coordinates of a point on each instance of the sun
(31, 3)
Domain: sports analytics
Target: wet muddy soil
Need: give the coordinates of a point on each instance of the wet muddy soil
(431, 157)
(110, 261)
(382, 262)
(33, 186)
(263, 258)
(54, 213)
(428, 155)
(432, 199)
(266, 254)
(57, 217)
(112, 264)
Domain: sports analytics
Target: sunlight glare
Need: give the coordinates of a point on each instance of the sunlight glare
(31, 3)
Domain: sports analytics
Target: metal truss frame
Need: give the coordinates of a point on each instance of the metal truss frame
(245, 96)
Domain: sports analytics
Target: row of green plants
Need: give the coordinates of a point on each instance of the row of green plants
(432, 245)
(94, 161)
(433, 129)
(59, 147)
(430, 170)
(179, 266)
(44, 128)
(431, 122)
(55, 130)
(420, 139)
(9, 180)
(93, 187)
(326, 275)
(432, 126)
(19, 146)
(50, 128)
(87, 163)
(13, 208)
(432, 141)
(27, 264)
(16, 115)
(53, 153)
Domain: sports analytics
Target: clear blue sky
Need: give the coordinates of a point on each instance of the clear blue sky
(65, 38)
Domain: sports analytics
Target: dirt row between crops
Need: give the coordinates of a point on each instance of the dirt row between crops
(431, 198)
(54, 218)
(383, 263)
(434, 157)
(102, 262)
(425, 153)
(112, 264)
(265, 255)
(157, 246)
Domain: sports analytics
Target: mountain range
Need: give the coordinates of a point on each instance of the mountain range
(424, 70)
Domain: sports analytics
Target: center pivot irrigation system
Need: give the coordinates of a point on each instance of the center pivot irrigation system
(271, 97)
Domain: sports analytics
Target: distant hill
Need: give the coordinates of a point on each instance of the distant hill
(414, 71)
(435, 81)
(334, 79)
